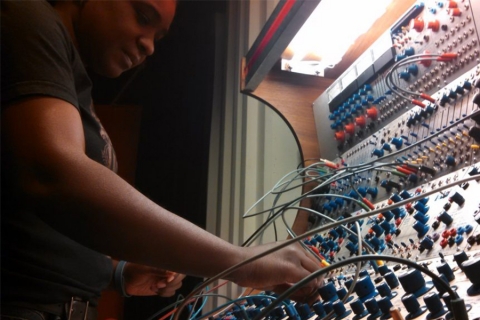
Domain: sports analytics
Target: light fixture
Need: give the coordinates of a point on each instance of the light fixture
(328, 33)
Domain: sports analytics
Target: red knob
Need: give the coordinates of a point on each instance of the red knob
(360, 121)
(434, 25)
(350, 128)
(452, 4)
(453, 232)
(425, 62)
(444, 243)
(417, 24)
(456, 12)
(398, 222)
(340, 136)
(372, 113)
(446, 234)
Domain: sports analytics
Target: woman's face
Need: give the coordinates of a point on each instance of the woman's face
(116, 35)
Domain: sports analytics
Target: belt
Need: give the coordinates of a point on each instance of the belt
(75, 309)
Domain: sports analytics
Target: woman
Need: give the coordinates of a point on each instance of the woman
(65, 211)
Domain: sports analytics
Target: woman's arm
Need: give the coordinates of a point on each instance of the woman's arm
(91, 204)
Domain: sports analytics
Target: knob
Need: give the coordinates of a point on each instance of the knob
(452, 4)
(360, 121)
(372, 113)
(409, 51)
(404, 75)
(417, 24)
(476, 99)
(474, 132)
(434, 25)
(413, 69)
(471, 267)
(456, 12)
(340, 136)
(350, 128)
(397, 142)
(378, 152)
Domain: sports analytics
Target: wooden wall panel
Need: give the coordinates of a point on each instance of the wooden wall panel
(292, 96)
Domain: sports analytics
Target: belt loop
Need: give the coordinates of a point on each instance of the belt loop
(73, 311)
(70, 309)
(86, 310)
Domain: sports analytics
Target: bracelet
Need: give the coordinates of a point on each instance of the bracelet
(119, 280)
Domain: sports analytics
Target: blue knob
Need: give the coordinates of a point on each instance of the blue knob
(373, 191)
(445, 218)
(292, 312)
(419, 206)
(353, 238)
(409, 51)
(413, 69)
(319, 310)
(427, 243)
(387, 147)
(399, 213)
(304, 311)
(378, 152)
(405, 194)
(333, 204)
(386, 226)
(353, 194)
(400, 56)
(340, 310)
(452, 94)
(458, 239)
(385, 304)
(421, 228)
(424, 200)
(328, 292)
(362, 191)
(395, 198)
(388, 215)
(404, 75)
(468, 228)
(333, 233)
(340, 202)
(397, 142)
(450, 161)
(378, 230)
(351, 247)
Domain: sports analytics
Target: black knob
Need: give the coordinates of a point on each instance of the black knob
(474, 132)
(471, 267)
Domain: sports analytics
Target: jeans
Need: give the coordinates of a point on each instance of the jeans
(20, 313)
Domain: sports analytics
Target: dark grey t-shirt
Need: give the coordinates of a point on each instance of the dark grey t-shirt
(40, 264)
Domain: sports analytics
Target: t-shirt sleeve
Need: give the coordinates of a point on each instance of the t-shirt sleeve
(36, 54)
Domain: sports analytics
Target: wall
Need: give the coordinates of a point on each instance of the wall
(251, 146)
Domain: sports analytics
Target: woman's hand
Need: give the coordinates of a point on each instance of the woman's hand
(142, 280)
(280, 270)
